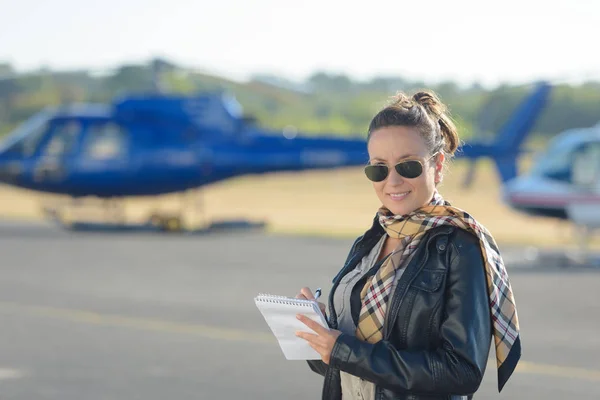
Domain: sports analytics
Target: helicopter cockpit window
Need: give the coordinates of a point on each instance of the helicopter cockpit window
(28, 144)
(63, 139)
(555, 164)
(579, 165)
(105, 141)
(26, 138)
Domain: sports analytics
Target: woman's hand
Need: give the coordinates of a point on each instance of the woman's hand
(324, 339)
(306, 294)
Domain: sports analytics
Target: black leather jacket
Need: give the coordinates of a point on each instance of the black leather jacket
(438, 332)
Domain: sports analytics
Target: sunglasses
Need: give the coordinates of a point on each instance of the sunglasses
(407, 169)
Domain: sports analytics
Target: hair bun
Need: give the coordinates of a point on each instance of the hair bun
(431, 102)
(438, 113)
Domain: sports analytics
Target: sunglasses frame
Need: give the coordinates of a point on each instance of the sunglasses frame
(396, 168)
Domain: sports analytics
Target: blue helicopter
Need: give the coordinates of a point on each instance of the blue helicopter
(153, 144)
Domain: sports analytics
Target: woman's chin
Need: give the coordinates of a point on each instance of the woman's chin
(399, 210)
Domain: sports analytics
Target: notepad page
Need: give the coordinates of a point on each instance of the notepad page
(281, 318)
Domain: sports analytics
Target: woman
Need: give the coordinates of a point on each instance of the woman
(422, 292)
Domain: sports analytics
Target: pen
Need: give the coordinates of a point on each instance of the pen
(317, 293)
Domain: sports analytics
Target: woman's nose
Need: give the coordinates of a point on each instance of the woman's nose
(395, 178)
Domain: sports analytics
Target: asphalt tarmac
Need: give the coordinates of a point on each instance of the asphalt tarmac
(152, 316)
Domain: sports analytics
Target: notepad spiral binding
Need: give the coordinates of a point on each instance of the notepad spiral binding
(270, 298)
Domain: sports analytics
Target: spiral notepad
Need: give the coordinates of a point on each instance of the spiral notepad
(280, 314)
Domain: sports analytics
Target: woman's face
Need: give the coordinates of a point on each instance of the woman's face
(389, 146)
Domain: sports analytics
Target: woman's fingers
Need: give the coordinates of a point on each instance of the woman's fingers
(307, 293)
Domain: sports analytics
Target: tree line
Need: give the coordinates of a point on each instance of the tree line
(323, 103)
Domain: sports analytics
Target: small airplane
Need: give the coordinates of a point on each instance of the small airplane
(563, 179)
(563, 183)
(157, 143)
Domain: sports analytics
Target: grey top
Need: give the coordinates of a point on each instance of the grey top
(355, 388)
(341, 297)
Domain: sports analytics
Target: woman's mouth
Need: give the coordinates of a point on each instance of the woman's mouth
(399, 196)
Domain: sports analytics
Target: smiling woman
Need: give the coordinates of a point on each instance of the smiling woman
(410, 312)
(400, 149)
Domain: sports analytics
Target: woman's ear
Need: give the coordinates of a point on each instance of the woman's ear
(439, 160)
(439, 165)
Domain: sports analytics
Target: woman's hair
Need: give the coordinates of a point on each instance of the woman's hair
(427, 113)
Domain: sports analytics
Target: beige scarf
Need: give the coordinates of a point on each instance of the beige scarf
(410, 229)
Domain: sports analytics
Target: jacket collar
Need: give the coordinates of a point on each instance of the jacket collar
(375, 230)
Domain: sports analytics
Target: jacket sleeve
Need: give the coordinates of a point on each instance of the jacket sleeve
(317, 366)
(458, 364)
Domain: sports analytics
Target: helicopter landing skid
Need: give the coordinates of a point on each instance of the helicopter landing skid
(190, 205)
(108, 215)
(583, 255)
(71, 212)
(192, 218)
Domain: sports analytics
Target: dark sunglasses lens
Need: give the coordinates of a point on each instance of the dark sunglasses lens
(409, 169)
(376, 173)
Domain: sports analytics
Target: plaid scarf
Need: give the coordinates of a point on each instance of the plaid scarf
(410, 229)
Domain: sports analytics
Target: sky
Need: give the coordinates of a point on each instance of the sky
(512, 41)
